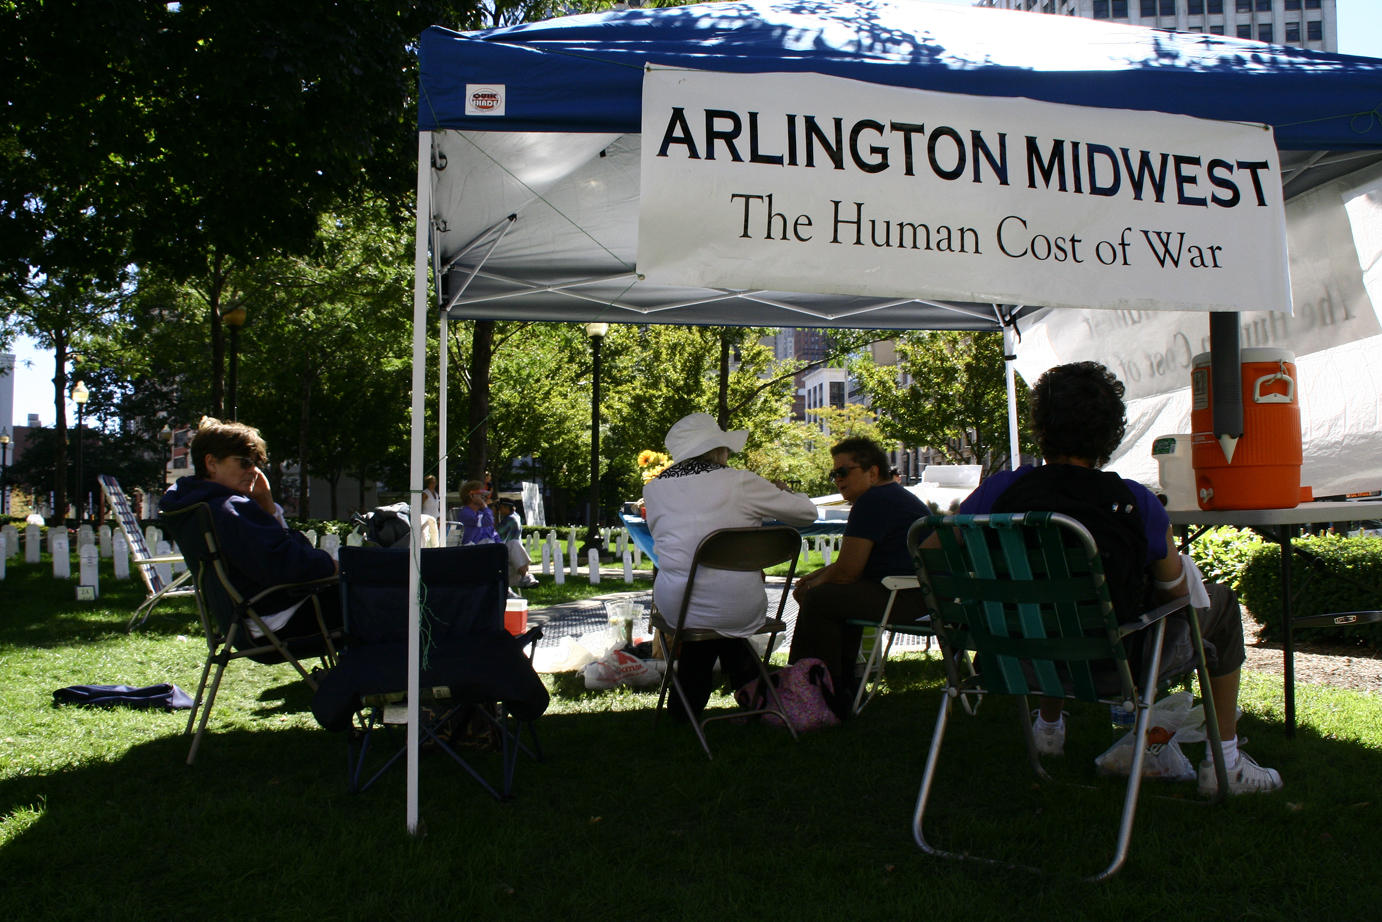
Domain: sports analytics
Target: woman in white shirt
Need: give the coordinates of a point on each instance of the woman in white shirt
(687, 501)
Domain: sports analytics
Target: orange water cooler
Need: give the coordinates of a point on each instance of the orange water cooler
(1264, 472)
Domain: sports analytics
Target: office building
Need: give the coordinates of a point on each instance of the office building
(1304, 23)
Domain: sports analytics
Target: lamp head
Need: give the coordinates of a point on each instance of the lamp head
(596, 330)
(80, 394)
(234, 317)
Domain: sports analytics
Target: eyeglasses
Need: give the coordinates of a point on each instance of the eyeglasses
(245, 463)
(841, 472)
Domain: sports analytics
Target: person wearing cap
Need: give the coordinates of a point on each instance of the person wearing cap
(851, 588)
(692, 497)
(474, 515)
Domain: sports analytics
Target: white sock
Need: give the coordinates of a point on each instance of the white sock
(1059, 723)
(1230, 750)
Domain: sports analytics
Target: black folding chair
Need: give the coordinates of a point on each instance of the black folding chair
(470, 664)
(227, 615)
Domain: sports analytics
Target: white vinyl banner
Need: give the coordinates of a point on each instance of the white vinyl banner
(802, 182)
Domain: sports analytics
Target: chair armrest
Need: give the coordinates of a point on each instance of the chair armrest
(305, 588)
(909, 581)
(1152, 617)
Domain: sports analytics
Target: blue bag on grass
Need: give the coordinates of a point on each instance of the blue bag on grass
(103, 696)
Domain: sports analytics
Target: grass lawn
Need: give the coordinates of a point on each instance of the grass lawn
(626, 820)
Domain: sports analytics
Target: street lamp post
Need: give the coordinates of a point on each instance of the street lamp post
(5, 471)
(165, 435)
(596, 332)
(235, 319)
(79, 396)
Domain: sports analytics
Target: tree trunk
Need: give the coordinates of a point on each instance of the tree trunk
(334, 481)
(481, 353)
(59, 515)
(304, 417)
(218, 347)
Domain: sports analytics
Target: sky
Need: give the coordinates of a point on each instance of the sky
(1360, 32)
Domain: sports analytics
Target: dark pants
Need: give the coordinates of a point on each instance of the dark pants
(695, 668)
(821, 631)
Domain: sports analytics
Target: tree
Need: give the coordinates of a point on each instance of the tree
(954, 400)
(197, 137)
(61, 313)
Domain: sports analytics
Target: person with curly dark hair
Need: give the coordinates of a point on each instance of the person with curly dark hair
(1078, 418)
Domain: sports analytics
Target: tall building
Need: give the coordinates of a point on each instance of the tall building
(1304, 23)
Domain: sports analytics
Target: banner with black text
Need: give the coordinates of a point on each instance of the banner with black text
(802, 182)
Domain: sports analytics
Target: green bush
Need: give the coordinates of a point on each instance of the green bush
(1221, 553)
(1316, 590)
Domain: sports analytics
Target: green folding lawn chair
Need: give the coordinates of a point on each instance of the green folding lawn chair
(1023, 595)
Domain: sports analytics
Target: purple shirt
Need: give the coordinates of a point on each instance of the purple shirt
(1152, 514)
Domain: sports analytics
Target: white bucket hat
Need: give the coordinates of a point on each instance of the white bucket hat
(698, 433)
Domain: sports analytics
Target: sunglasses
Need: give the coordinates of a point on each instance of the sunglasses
(245, 463)
(841, 472)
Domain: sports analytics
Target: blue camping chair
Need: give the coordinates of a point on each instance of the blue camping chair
(470, 664)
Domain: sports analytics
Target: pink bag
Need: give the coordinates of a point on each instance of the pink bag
(805, 690)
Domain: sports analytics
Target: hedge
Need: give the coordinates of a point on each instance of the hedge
(1315, 592)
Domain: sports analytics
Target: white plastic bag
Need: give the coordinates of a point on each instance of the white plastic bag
(619, 667)
(1173, 721)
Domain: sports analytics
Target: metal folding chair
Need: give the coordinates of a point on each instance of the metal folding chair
(751, 548)
(1024, 594)
(226, 614)
(144, 560)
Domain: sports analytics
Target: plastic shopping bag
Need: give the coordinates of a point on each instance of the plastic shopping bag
(1175, 719)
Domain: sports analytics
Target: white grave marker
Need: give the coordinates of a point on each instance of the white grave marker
(120, 555)
(332, 545)
(628, 566)
(62, 556)
(593, 559)
(89, 584)
(354, 539)
(104, 535)
(33, 543)
(164, 570)
(12, 534)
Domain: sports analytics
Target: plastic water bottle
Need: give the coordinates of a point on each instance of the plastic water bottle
(1122, 717)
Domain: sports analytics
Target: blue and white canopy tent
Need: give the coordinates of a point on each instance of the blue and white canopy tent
(536, 187)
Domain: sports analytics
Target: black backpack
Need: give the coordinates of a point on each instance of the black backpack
(386, 526)
(1102, 503)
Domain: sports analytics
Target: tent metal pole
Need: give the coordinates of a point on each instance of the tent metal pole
(420, 323)
(443, 357)
(1009, 357)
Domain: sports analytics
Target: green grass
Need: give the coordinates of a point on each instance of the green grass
(100, 818)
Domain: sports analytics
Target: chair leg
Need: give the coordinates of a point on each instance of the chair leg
(205, 709)
(928, 776)
(1213, 742)
(1139, 753)
(874, 660)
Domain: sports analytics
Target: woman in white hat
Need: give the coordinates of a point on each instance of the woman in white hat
(693, 497)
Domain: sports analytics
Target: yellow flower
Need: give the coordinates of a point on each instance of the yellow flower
(645, 457)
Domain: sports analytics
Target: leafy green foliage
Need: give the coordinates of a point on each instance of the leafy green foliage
(1222, 553)
(1319, 585)
(952, 398)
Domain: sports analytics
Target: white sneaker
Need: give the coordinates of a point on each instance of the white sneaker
(1247, 777)
(1050, 741)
